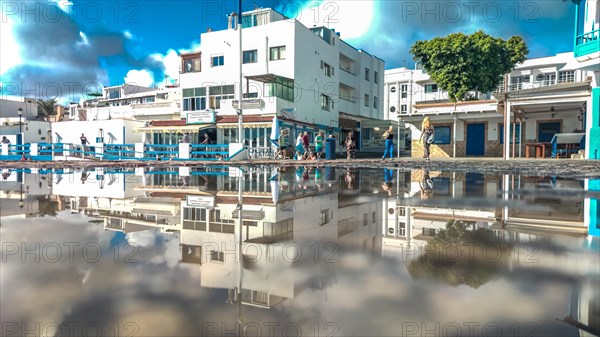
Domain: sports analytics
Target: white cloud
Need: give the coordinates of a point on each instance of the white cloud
(171, 62)
(139, 77)
(9, 48)
(84, 38)
(335, 14)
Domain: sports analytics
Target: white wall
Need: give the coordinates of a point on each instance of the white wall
(115, 131)
(9, 108)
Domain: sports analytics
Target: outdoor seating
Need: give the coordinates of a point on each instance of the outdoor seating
(565, 143)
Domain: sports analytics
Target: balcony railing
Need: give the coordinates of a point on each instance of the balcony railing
(587, 43)
(530, 85)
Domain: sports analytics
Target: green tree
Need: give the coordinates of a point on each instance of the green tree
(46, 107)
(461, 63)
(457, 255)
(47, 207)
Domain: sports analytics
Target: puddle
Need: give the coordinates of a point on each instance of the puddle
(318, 251)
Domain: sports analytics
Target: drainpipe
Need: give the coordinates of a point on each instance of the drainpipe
(520, 136)
(454, 135)
(240, 94)
(514, 136)
(507, 129)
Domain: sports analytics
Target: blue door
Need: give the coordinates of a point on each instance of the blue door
(547, 130)
(475, 139)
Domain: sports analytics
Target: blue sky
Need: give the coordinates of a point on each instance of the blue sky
(56, 47)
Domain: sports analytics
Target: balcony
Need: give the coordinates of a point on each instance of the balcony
(530, 85)
(587, 43)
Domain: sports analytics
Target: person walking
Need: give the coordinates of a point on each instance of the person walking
(84, 142)
(350, 145)
(427, 137)
(205, 141)
(319, 139)
(299, 147)
(389, 142)
(306, 142)
(282, 140)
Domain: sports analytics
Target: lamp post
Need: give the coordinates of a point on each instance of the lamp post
(21, 202)
(20, 113)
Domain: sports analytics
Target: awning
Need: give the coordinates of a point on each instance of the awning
(174, 129)
(347, 124)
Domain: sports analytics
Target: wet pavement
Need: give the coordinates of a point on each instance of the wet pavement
(313, 251)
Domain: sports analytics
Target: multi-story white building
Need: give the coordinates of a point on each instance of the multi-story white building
(309, 77)
(546, 95)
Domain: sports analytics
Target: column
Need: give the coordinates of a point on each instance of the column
(507, 109)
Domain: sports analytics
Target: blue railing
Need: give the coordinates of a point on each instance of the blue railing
(209, 151)
(61, 151)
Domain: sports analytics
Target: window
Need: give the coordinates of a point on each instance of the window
(325, 217)
(428, 231)
(375, 79)
(194, 99)
(367, 76)
(404, 90)
(516, 83)
(366, 100)
(374, 217)
(277, 53)
(365, 219)
(283, 88)
(517, 135)
(402, 211)
(325, 102)
(393, 89)
(403, 108)
(217, 61)
(114, 93)
(375, 102)
(150, 99)
(252, 20)
(430, 88)
(566, 76)
(191, 65)
(250, 56)
(549, 79)
(217, 256)
(327, 69)
(441, 135)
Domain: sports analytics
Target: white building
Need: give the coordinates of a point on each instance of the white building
(547, 95)
(31, 129)
(308, 76)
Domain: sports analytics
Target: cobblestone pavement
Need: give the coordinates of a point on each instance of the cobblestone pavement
(528, 167)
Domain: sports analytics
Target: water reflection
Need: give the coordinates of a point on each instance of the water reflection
(319, 250)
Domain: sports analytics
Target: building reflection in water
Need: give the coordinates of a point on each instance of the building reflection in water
(290, 217)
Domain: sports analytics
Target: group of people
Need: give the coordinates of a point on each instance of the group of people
(427, 138)
(302, 149)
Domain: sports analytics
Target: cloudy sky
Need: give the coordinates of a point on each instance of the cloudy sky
(63, 48)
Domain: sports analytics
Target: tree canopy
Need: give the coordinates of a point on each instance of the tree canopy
(461, 63)
(46, 107)
(459, 255)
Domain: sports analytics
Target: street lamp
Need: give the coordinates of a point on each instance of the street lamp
(21, 202)
(20, 113)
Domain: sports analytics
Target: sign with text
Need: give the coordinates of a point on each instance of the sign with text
(288, 113)
(200, 201)
(248, 103)
(200, 117)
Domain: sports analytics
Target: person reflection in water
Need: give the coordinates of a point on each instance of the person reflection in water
(426, 185)
(84, 176)
(388, 178)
